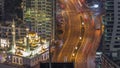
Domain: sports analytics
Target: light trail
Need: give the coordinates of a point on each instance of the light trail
(84, 54)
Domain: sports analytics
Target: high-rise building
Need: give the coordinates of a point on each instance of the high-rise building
(1, 9)
(107, 63)
(111, 42)
(39, 16)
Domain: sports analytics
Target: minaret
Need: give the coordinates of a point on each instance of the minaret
(13, 37)
(27, 41)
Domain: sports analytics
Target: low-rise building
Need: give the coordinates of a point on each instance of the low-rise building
(28, 51)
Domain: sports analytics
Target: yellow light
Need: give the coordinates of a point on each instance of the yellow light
(80, 38)
(13, 25)
(76, 48)
(73, 54)
(82, 23)
(13, 51)
(27, 29)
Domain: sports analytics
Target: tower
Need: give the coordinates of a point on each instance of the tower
(13, 37)
(39, 16)
(111, 43)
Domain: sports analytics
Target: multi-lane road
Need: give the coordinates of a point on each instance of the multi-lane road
(81, 38)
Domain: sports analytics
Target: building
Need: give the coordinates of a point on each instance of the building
(111, 42)
(28, 51)
(24, 49)
(98, 59)
(1, 10)
(39, 16)
(107, 63)
(4, 45)
(6, 32)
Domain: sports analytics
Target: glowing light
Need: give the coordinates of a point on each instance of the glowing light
(3, 51)
(13, 51)
(98, 53)
(82, 23)
(9, 57)
(80, 3)
(34, 42)
(73, 54)
(25, 53)
(85, 16)
(80, 38)
(95, 6)
(4, 43)
(27, 29)
(76, 48)
(13, 25)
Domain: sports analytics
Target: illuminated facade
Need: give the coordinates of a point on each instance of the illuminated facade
(4, 46)
(4, 43)
(39, 17)
(25, 47)
(29, 50)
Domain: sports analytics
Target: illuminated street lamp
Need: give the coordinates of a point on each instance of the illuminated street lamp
(82, 23)
(80, 38)
(95, 6)
(73, 54)
(76, 48)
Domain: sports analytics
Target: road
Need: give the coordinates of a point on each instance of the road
(78, 48)
(72, 33)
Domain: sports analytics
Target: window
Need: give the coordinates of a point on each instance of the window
(109, 34)
(118, 22)
(118, 26)
(118, 14)
(118, 10)
(116, 46)
(118, 6)
(118, 2)
(117, 42)
(17, 60)
(14, 59)
(118, 18)
(118, 30)
(107, 41)
(108, 37)
(109, 22)
(110, 26)
(109, 11)
(117, 33)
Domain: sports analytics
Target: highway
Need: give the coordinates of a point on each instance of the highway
(78, 48)
(71, 36)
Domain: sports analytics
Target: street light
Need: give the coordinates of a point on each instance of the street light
(80, 38)
(73, 54)
(76, 47)
(82, 23)
(95, 6)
